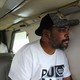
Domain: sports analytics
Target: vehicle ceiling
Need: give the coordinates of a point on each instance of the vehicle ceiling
(27, 12)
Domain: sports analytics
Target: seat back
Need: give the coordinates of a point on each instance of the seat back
(5, 62)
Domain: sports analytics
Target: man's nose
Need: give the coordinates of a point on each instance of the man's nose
(67, 33)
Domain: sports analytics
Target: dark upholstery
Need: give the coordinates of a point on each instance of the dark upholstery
(5, 62)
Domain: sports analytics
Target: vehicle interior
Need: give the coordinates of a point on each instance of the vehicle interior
(20, 18)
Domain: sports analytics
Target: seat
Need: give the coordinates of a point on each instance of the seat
(5, 63)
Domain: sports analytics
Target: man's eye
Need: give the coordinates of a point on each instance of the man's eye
(63, 30)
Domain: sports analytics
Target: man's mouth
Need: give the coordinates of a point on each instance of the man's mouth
(66, 41)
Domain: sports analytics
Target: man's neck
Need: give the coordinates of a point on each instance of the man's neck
(46, 47)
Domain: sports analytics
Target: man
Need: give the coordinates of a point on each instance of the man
(44, 58)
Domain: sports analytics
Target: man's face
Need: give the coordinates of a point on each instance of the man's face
(59, 37)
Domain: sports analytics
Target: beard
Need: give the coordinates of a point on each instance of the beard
(60, 45)
(63, 45)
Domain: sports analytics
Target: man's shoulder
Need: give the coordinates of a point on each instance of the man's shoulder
(33, 44)
(29, 47)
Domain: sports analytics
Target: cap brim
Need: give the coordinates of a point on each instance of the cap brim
(73, 22)
(65, 22)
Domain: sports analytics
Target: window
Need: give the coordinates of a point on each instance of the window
(20, 39)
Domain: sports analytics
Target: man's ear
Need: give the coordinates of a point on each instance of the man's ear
(46, 32)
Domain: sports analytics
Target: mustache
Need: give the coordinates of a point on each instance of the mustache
(66, 40)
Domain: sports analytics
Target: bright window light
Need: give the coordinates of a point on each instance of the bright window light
(20, 40)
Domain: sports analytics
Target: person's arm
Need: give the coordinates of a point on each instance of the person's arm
(21, 66)
(68, 78)
(67, 73)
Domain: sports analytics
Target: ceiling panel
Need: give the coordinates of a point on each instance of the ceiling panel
(2, 2)
(9, 6)
(30, 11)
(40, 6)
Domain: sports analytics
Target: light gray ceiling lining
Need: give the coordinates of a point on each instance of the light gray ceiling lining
(38, 10)
(2, 2)
(9, 6)
(70, 8)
